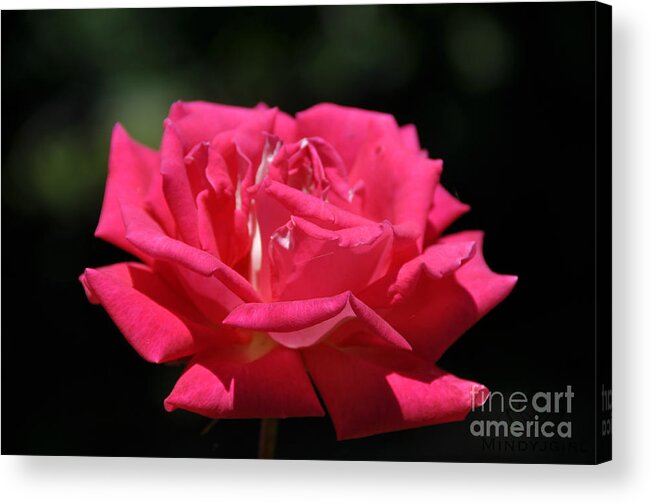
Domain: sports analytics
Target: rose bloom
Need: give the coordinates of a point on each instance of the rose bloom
(279, 255)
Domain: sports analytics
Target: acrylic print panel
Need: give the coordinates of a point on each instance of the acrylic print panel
(389, 241)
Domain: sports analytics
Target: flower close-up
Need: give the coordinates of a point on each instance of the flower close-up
(295, 266)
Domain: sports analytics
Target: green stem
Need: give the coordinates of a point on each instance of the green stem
(268, 436)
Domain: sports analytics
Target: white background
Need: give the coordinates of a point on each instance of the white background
(626, 479)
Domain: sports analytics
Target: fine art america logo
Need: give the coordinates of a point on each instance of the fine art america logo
(519, 422)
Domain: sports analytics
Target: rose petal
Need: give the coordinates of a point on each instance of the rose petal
(445, 210)
(366, 394)
(285, 127)
(439, 310)
(309, 261)
(196, 163)
(305, 205)
(147, 236)
(297, 324)
(398, 184)
(228, 128)
(133, 178)
(217, 223)
(247, 144)
(409, 138)
(312, 165)
(251, 137)
(145, 310)
(209, 211)
(210, 296)
(219, 385)
(330, 216)
(200, 121)
(143, 233)
(268, 216)
(346, 128)
(218, 208)
(176, 185)
(275, 203)
(436, 262)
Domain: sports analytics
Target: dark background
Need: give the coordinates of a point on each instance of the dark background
(503, 93)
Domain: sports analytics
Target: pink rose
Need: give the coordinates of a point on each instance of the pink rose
(281, 254)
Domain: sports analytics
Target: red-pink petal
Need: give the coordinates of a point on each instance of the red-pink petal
(437, 261)
(143, 233)
(312, 165)
(445, 210)
(346, 128)
(147, 236)
(196, 162)
(285, 127)
(486, 287)
(247, 144)
(398, 184)
(297, 324)
(134, 179)
(308, 261)
(439, 310)
(210, 296)
(223, 385)
(210, 212)
(409, 137)
(305, 205)
(269, 216)
(145, 310)
(200, 121)
(176, 185)
(366, 395)
(217, 207)
(251, 137)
